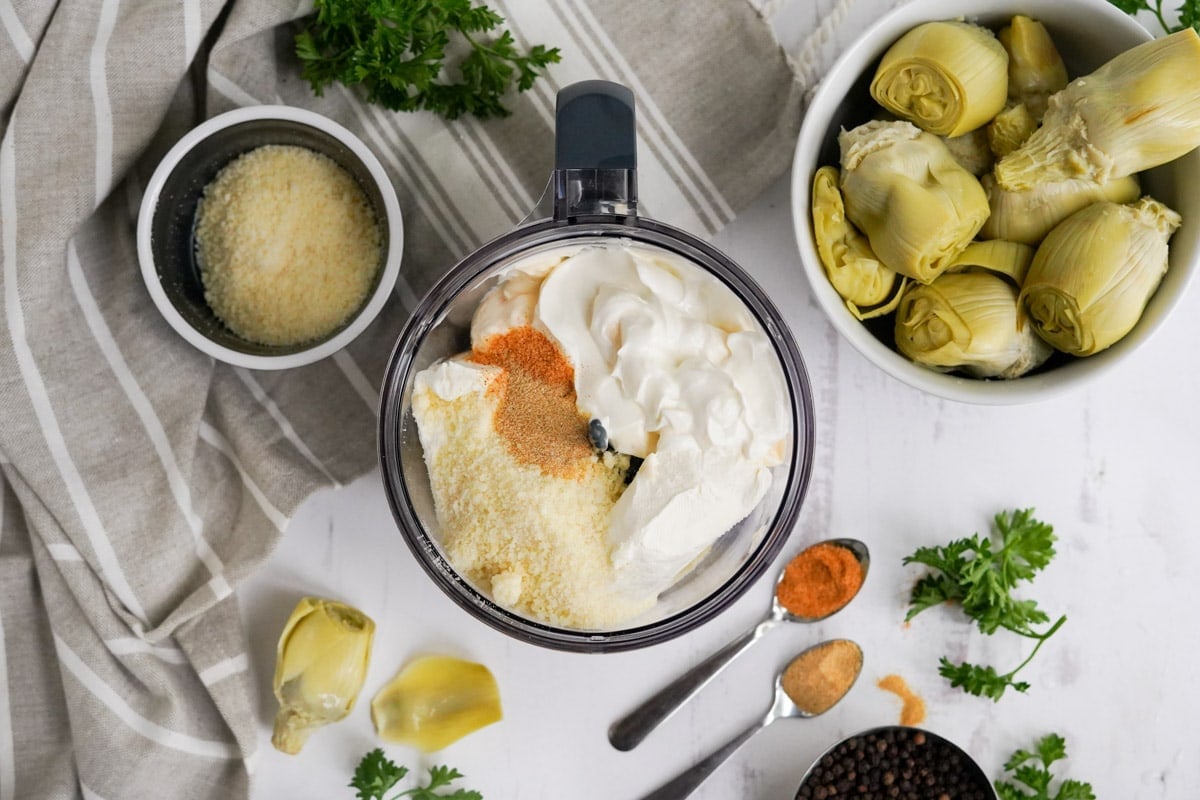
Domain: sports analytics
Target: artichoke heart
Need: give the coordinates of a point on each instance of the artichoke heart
(853, 270)
(1027, 216)
(947, 77)
(972, 151)
(1093, 275)
(434, 701)
(1011, 259)
(902, 188)
(1035, 68)
(1139, 110)
(1010, 129)
(967, 321)
(319, 669)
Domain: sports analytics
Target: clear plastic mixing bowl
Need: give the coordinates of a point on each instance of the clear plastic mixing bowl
(595, 204)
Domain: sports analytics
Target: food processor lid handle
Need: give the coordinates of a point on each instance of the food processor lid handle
(595, 151)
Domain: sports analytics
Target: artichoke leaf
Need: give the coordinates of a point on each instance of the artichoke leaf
(1010, 129)
(967, 321)
(973, 151)
(435, 701)
(902, 188)
(1027, 216)
(1035, 68)
(1093, 275)
(882, 309)
(851, 266)
(1010, 259)
(1139, 110)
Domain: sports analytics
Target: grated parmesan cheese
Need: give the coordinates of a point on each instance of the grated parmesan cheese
(546, 558)
(288, 245)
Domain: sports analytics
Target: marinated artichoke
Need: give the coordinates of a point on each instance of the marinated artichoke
(946, 77)
(435, 701)
(853, 270)
(1010, 259)
(967, 321)
(972, 151)
(1139, 110)
(902, 188)
(1094, 273)
(1029, 215)
(1035, 68)
(1010, 129)
(319, 669)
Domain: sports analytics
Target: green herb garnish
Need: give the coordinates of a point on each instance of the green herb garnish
(1188, 12)
(376, 774)
(396, 50)
(981, 578)
(1024, 766)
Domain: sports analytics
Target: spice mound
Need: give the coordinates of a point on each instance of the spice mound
(288, 245)
(819, 581)
(586, 360)
(820, 676)
(900, 763)
(913, 710)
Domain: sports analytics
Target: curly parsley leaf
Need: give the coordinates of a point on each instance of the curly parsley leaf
(981, 681)
(376, 774)
(440, 777)
(972, 572)
(980, 575)
(1032, 771)
(1188, 13)
(397, 51)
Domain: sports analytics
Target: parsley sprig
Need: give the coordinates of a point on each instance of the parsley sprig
(376, 774)
(1188, 12)
(981, 576)
(396, 50)
(1036, 777)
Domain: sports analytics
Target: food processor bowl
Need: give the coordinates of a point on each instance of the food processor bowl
(594, 194)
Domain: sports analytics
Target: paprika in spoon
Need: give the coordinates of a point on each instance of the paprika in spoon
(818, 582)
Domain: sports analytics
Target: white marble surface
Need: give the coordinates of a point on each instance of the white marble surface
(1113, 467)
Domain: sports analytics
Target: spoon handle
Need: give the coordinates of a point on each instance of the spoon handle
(686, 782)
(627, 732)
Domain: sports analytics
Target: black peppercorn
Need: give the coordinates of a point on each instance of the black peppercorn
(900, 763)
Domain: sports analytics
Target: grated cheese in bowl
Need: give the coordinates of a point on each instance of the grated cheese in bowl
(288, 245)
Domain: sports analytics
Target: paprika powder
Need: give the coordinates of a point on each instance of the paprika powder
(913, 711)
(819, 581)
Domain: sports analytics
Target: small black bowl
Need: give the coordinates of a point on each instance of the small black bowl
(166, 227)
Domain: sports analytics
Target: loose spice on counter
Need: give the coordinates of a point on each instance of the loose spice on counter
(820, 676)
(913, 710)
(819, 581)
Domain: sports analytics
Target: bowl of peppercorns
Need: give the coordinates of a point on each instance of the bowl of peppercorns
(895, 761)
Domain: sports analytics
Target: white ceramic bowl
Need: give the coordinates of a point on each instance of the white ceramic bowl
(166, 248)
(1087, 33)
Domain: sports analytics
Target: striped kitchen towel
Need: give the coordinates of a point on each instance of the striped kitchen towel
(140, 482)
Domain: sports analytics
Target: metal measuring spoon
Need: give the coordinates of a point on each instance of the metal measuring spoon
(627, 732)
(690, 779)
